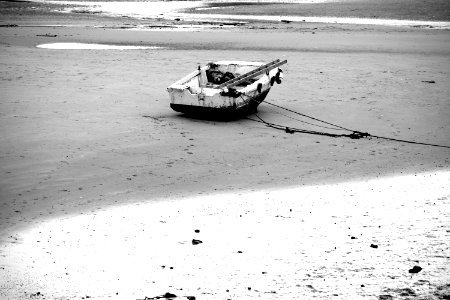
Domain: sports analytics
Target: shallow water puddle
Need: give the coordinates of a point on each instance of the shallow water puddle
(83, 46)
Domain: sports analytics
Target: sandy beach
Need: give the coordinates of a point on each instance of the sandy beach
(102, 185)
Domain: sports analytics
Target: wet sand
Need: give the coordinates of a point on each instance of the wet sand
(438, 10)
(85, 130)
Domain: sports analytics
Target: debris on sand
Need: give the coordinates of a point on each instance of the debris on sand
(38, 294)
(415, 270)
(196, 242)
(165, 296)
(47, 35)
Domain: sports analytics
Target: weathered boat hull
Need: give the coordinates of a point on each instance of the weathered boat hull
(232, 111)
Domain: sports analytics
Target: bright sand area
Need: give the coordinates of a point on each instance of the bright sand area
(86, 130)
(343, 241)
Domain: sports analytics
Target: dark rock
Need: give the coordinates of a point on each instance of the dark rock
(197, 231)
(429, 81)
(196, 242)
(373, 246)
(190, 297)
(415, 270)
(385, 297)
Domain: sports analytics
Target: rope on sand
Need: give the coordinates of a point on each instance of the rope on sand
(354, 134)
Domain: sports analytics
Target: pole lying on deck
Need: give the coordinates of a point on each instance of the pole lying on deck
(258, 71)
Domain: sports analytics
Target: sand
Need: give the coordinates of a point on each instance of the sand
(345, 241)
(84, 131)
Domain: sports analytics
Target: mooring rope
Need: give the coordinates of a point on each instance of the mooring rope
(355, 134)
(303, 115)
(309, 123)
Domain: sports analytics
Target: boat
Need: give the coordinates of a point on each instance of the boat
(225, 89)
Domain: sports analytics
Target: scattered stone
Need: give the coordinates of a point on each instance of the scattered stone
(373, 246)
(415, 270)
(196, 242)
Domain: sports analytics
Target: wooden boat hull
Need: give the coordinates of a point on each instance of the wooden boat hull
(194, 94)
(232, 111)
